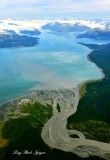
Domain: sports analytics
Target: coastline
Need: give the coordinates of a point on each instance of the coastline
(12, 100)
(88, 58)
(100, 69)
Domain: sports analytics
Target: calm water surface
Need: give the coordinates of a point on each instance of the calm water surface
(57, 62)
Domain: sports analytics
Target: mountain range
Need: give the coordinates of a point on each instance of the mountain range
(15, 33)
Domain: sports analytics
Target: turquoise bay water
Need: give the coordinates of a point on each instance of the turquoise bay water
(57, 62)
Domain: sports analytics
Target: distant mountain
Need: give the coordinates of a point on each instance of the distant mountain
(65, 27)
(14, 33)
(96, 33)
(34, 32)
(7, 31)
(15, 40)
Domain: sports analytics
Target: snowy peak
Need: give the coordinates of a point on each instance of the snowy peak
(97, 33)
(65, 27)
(18, 25)
(98, 29)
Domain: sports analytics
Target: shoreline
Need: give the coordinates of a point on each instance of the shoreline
(92, 80)
(100, 69)
(12, 100)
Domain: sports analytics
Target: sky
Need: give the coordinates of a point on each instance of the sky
(49, 9)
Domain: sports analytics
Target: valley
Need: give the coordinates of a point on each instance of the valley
(54, 88)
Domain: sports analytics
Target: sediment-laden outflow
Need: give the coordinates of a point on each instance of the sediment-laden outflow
(56, 135)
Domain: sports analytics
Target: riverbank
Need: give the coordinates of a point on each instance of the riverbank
(54, 131)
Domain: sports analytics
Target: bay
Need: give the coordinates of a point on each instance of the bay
(57, 62)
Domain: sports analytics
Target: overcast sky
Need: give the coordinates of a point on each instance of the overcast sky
(43, 9)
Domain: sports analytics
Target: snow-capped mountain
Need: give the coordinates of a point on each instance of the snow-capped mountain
(34, 32)
(65, 27)
(15, 40)
(97, 33)
(18, 25)
(14, 33)
(19, 33)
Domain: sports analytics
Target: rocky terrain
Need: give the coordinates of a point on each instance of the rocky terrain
(54, 133)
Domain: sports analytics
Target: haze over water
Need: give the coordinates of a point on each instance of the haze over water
(57, 62)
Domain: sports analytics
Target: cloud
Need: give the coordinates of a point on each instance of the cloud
(36, 8)
(81, 5)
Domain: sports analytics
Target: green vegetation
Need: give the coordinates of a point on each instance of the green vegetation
(3, 142)
(93, 115)
(92, 129)
(38, 113)
(22, 131)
